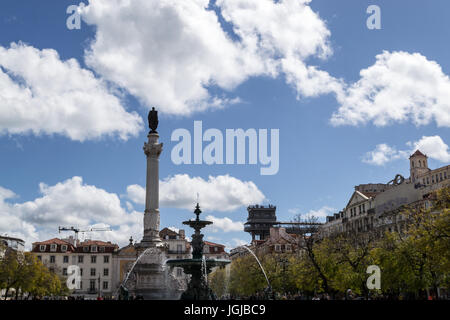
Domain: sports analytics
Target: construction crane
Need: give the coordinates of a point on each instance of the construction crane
(77, 230)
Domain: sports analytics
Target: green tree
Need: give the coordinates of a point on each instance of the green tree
(218, 282)
(246, 277)
(24, 273)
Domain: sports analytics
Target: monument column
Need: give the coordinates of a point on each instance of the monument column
(152, 150)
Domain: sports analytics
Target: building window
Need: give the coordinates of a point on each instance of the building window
(92, 285)
(440, 176)
(52, 259)
(66, 259)
(81, 284)
(81, 271)
(64, 271)
(64, 248)
(105, 285)
(445, 175)
(39, 258)
(428, 180)
(277, 248)
(93, 272)
(179, 272)
(85, 249)
(42, 248)
(80, 259)
(93, 259)
(216, 249)
(94, 249)
(105, 259)
(106, 272)
(288, 248)
(53, 247)
(101, 249)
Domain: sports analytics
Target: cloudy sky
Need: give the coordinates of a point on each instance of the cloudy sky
(350, 103)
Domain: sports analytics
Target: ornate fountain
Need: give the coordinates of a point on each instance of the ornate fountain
(148, 276)
(198, 267)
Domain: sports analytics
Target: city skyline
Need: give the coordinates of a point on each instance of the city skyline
(73, 119)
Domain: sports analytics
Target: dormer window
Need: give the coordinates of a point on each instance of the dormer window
(53, 247)
(93, 248)
(42, 247)
(101, 249)
(85, 249)
(64, 248)
(277, 248)
(288, 247)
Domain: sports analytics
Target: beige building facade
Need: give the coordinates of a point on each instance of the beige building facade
(374, 206)
(93, 257)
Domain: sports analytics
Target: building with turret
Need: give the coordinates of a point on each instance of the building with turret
(375, 206)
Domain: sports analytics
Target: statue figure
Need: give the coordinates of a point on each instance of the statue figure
(153, 120)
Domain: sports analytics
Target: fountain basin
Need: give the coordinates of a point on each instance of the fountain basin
(198, 287)
(186, 264)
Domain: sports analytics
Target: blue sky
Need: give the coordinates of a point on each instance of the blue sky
(320, 162)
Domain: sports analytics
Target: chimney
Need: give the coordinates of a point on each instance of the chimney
(273, 232)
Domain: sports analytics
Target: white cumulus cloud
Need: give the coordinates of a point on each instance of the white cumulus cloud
(224, 224)
(68, 203)
(41, 94)
(432, 146)
(170, 52)
(220, 193)
(399, 87)
(383, 154)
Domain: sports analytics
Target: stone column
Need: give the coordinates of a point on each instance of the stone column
(152, 150)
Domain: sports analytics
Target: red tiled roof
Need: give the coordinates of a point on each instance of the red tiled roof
(109, 247)
(213, 244)
(47, 243)
(52, 241)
